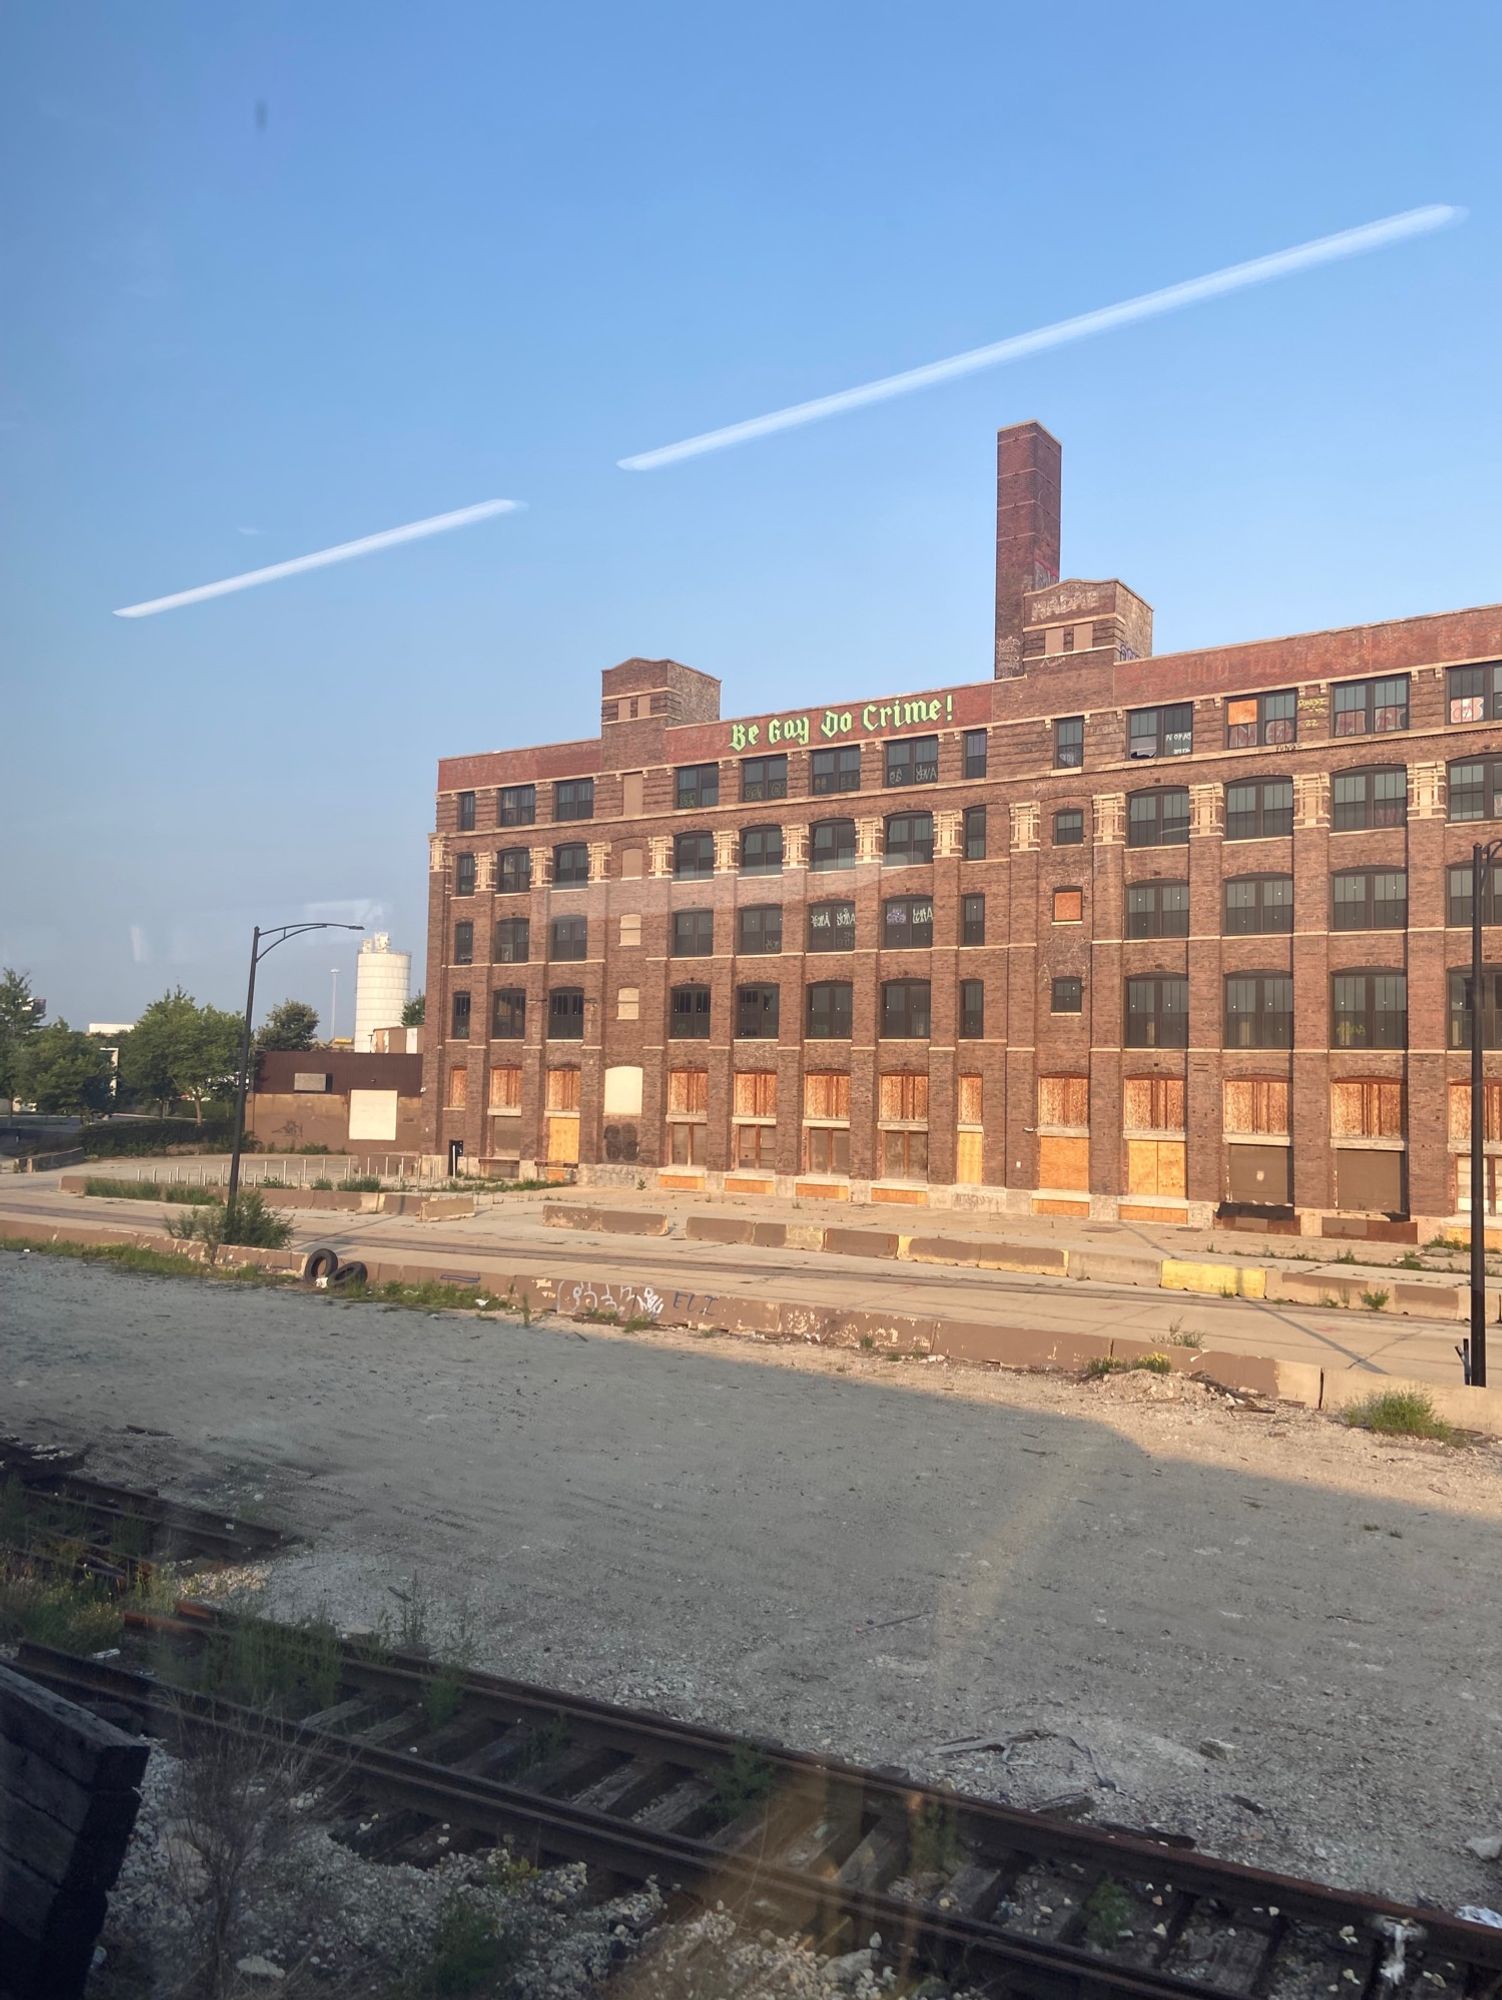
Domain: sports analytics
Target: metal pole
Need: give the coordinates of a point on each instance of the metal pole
(1480, 858)
(244, 1077)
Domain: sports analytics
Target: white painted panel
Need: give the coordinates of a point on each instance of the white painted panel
(372, 1114)
(623, 1091)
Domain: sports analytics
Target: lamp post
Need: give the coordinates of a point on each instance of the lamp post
(1483, 856)
(260, 943)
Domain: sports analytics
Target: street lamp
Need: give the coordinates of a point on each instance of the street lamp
(260, 943)
(1483, 856)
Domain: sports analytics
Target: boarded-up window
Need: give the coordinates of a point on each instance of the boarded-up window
(458, 1095)
(1064, 1163)
(1258, 1174)
(1155, 1166)
(623, 1084)
(686, 1145)
(1068, 906)
(1460, 1112)
(1369, 1181)
(563, 1090)
(1064, 1101)
(506, 1087)
(756, 1145)
(631, 796)
(631, 928)
(1153, 1104)
(1255, 1104)
(826, 1094)
(688, 1093)
(826, 1149)
(563, 1141)
(1491, 1182)
(756, 1093)
(970, 1100)
(904, 1099)
(1366, 1109)
(628, 1003)
(372, 1114)
(969, 1158)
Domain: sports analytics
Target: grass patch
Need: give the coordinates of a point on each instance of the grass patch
(742, 1783)
(270, 1666)
(1375, 1302)
(143, 1262)
(361, 1184)
(116, 1187)
(1108, 1912)
(472, 1954)
(1399, 1413)
(1344, 1257)
(934, 1845)
(1147, 1364)
(1177, 1339)
(76, 1616)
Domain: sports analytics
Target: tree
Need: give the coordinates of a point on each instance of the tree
(414, 1011)
(292, 1025)
(179, 1049)
(63, 1071)
(20, 1019)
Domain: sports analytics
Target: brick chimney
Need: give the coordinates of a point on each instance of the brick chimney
(1027, 531)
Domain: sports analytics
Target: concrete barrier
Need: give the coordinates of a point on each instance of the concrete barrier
(606, 1221)
(860, 1242)
(1113, 1267)
(1237, 1281)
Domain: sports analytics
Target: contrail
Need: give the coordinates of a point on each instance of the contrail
(388, 538)
(1281, 264)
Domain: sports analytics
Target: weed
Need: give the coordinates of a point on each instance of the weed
(1329, 1299)
(323, 1184)
(543, 1741)
(272, 1666)
(742, 1783)
(1108, 1912)
(442, 1694)
(597, 1318)
(868, 1341)
(471, 1953)
(1154, 1364)
(73, 1615)
(1375, 1301)
(639, 1323)
(247, 1220)
(934, 1845)
(1177, 1339)
(1443, 1242)
(1399, 1413)
(1228, 1291)
(1410, 1261)
(118, 1188)
(526, 1311)
(414, 1619)
(1345, 1257)
(361, 1184)
(1103, 1365)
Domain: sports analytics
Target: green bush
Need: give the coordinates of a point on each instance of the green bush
(248, 1222)
(1399, 1413)
(361, 1184)
(120, 1188)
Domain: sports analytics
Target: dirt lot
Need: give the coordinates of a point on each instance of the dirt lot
(1280, 1636)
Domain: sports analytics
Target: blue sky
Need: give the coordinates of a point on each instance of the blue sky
(478, 250)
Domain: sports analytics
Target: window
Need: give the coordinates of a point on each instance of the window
(458, 1090)
(506, 1087)
(628, 1003)
(904, 1155)
(759, 928)
(466, 812)
(562, 1090)
(1256, 1106)
(688, 1093)
(1366, 708)
(831, 926)
(763, 778)
(1064, 1103)
(972, 920)
(1259, 1010)
(1067, 996)
(905, 1010)
(569, 938)
(975, 753)
(1157, 909)
(1369, 1010)
(829, 1010)
(907, 921)
(915, 762)
(570, 865)
(508, 1014)
(836, 770)
(1475, 693)
(1069, 742)
(693, 933)
(832, 844)
(826, 1149)
(686, 1144)
(1068, 906)
(761, 850)
(972, 1012)
(1157, 1011)
(513, 941)
(975, 833)
(513, 870)
(1066, 639)
(693, 856)
(1491, 1008)
(574, 798)
(1153, 1104)
(1259, 906)
(464, 874)
(1475, 788)
(1262, 718)
(909, 839)
(688, 1014)
(1069, 827)
(1161, 732)
(459, 1017)
(1370, 899)
(756, 1013)
(1158, 819)
(696, 785)
(464, 944)
(1369, 798)
(1458, 898)
(903, 1098)
(516, 805)
(1259, 809)
(630, 930)
(755, 1093)
(756, 1146)
(566, 1014)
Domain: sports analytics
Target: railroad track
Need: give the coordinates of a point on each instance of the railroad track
(431, 1761)
(52, 1515)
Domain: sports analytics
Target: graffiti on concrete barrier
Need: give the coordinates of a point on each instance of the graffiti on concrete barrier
(633, 1301)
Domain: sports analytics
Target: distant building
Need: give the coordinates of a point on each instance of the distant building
(369, 1105)
(383, 981)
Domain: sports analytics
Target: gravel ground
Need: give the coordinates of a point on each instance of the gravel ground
(1266, 1631)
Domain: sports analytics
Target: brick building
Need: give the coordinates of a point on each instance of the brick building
(1104, 934)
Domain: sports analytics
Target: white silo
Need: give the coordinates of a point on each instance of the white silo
(383, 980)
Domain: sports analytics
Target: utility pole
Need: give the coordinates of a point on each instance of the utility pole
(1483, 855)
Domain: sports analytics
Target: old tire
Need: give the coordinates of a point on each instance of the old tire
(320, 1264)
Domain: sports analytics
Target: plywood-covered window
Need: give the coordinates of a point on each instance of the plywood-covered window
(1064, 1103)
(1153, 1104)
(1068, 906)
(630, 933)
(826, 1094)
(1255, 1105)
(969, 1147)
(688, 1093)
(458, 1090)
(506, 1087)
(563, 1090)
(904, 1100)
(1460, 1113)
(1367, 1108)
(1064, 1109)
(755, 1093)
(1155, 1167)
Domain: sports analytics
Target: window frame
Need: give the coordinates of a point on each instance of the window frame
(1489, 697)
(508, 1003)
(840, 859)
(972, 919)
(1061, 760)
(465, 811)
(902, 1005)
(762, 789)
(1273, 1025)
(1152, 735)
(1455, 899)
(903, 858)
(761, 866)
(460, 1012)
(696, 787)
(1158, 794)
(842, 772)
(1458, 1014)
(836, 1010)
(689, 1011)
(1175, 1017)
(1368, 902)
(915, 923)
(1368, 709)
(1058, 988)
(1259, 905)
(511, 925)
(1370, 1014)
(903, 751)
(761, 911)
(970, 1011)
(577, 795)
(571, 880)
(690, 925)
(697, 873)
(523, 856)
(1268, 822)
(516, 805)
(566, 1013)
(1489, 788)
(571, 933)
(466, 874)
(835, 927)
(1153, 888)
(975, 753)
(975, 832)
(464, 942)
(762, 989)
(1369, 803)
(1069, 812)
(1264, 730)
